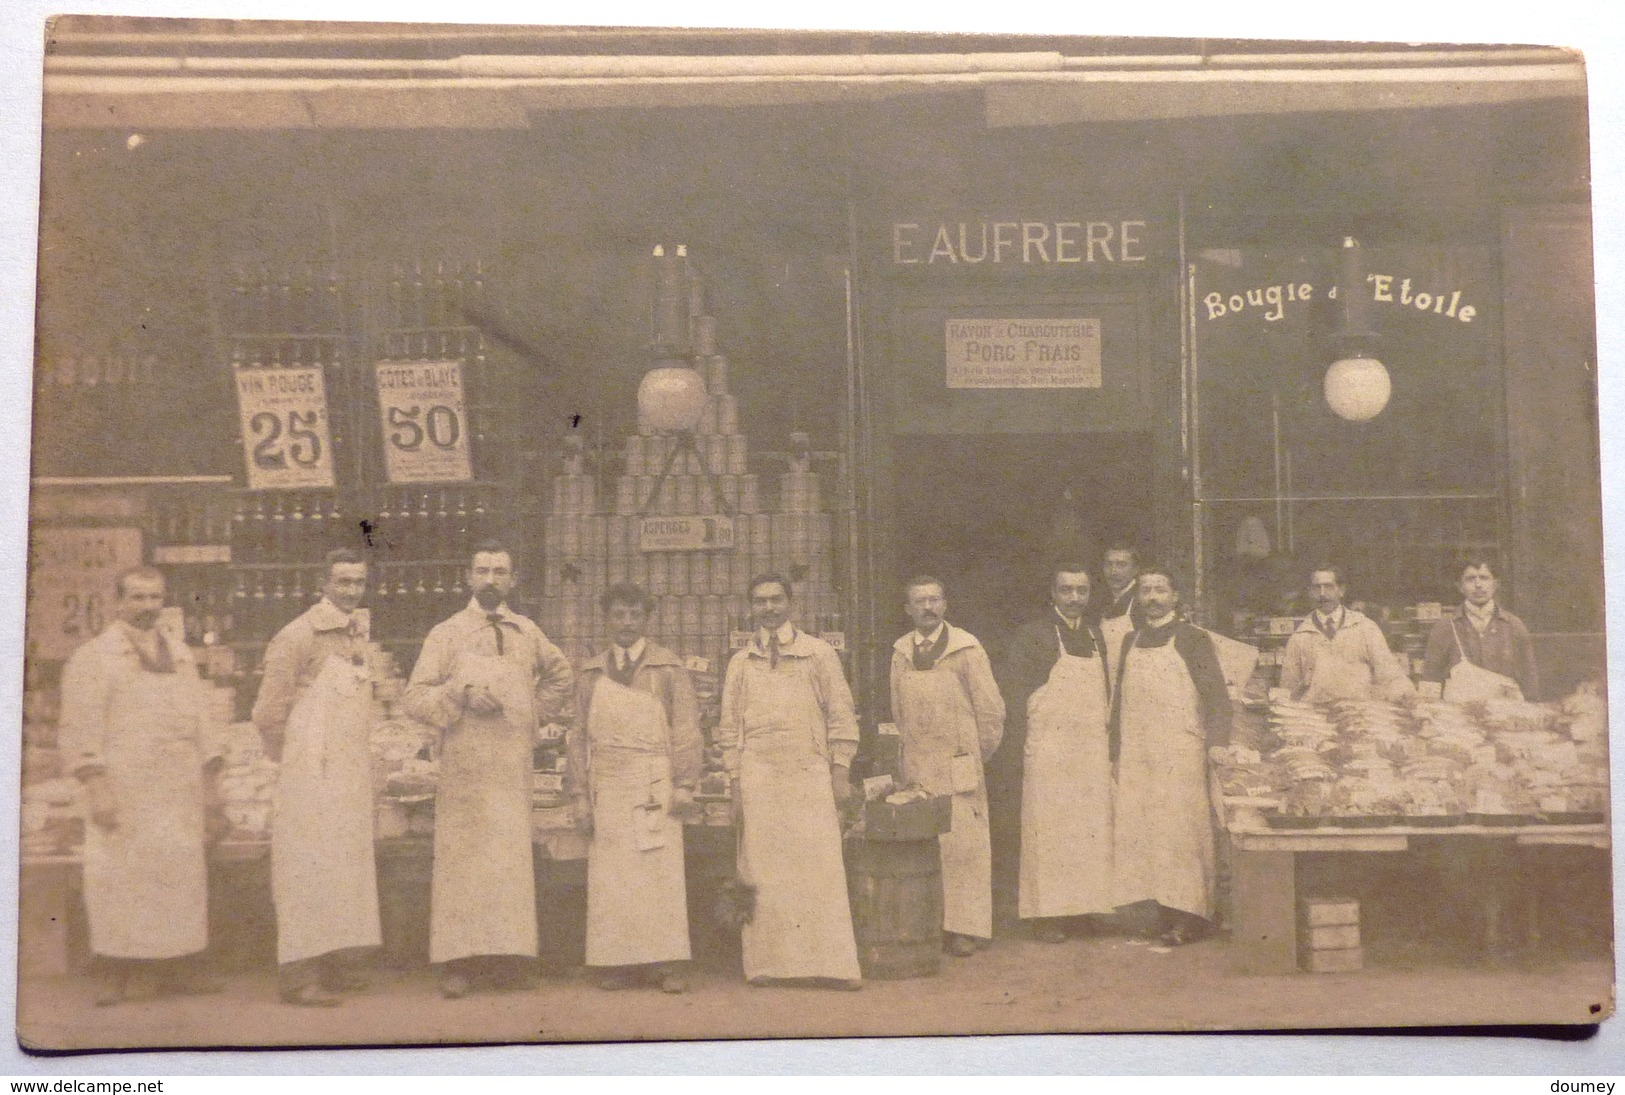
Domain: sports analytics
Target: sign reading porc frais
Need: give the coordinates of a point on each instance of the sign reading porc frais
(1023, 353)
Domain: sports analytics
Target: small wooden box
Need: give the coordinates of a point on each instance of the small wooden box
(1322, 912)
(1332, 937)
(1347, 960)
(923, 820)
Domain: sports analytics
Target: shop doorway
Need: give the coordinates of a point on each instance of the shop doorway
(989, 514)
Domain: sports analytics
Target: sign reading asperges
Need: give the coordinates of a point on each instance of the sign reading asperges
(286, 441)
(709, 533)
(425, 422)
(1023, 353)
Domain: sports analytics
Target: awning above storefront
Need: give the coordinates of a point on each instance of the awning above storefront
(1020, 89)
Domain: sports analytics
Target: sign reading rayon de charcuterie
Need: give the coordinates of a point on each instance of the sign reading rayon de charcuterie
(1023, 353)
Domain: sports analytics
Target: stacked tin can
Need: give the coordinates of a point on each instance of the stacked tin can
(593, 524)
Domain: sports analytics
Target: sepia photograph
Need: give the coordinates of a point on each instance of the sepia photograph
(546, 534)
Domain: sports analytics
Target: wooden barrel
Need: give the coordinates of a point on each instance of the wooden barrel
(896, 889)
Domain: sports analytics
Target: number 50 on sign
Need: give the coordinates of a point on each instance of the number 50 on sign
(425, 423)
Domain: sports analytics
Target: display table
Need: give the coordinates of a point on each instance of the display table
(1264, 874)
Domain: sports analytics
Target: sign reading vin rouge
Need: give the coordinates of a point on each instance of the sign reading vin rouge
(1023, 353)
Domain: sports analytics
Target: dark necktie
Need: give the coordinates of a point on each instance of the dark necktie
(773, 650)
(160, 661)
(622, 667)
(1329, 627)
(495, 619)
(925, 654)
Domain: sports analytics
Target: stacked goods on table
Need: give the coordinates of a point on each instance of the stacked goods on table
(1372, 763)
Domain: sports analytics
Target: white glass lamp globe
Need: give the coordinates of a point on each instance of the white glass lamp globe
(1357, 388)
(671, 399)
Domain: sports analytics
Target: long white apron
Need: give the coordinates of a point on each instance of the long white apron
(637, 902)
(1162, 832)
(790, 843)
(323, 878)
(146, 882)
(1066, 795)
(1114, 631)
(939, 723)
(483, 895)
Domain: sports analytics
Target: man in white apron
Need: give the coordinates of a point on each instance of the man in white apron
(135, 731)
(314, 711)
(1480, 650)
(1119, 608)
(1057, 683)
(950, 717)
(635, 758)
(789, 733)
(1169, 707)
(1337, 653)
(489, 679)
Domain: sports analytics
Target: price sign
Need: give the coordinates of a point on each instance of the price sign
(70, 584)
(686, 534)
(286, 441)
(425, 422)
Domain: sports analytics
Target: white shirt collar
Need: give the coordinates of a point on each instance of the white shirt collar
(629, 653)
(1336, 617)
(1479, 617)
(926, 640)
(786, 634)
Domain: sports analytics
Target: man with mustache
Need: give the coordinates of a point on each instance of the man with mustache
(314, 711)
(1337, 653)
(489, 679)
(1059, 691)
(950, 718)
(789, 733)
(135, 732)
(1170, 705)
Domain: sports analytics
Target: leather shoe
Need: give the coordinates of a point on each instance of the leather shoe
(454, 986)
(961, 946)
(345, 981)
(673, 983)
(1050, 933)
(310, 996)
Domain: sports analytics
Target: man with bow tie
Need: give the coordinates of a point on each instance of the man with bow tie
(314, 711)
(1337, 653)
(788, 733)
(489, 679)
(136, 733)
(950, 718)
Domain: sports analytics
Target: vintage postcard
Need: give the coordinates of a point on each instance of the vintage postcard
(551, 534)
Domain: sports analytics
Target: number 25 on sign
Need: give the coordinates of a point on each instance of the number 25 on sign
(283, 416)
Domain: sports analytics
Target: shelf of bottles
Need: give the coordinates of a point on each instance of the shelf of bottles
(420, 537)
(431, 314)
